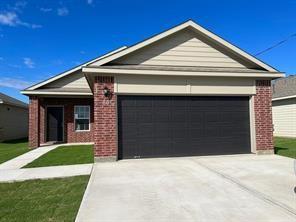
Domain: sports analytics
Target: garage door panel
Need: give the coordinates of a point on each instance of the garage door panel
(132, 150)
(129, 115)
(162, 126)
(145, 130)
(178, 114)
(162, 114)
(144, 115)
(161, 130)
(178, 101)
(144, 102)
(195, 117)
(130, 132)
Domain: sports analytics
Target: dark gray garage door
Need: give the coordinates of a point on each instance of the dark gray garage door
(168, 126)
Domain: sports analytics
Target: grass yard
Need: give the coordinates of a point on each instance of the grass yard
(65, 155)
(42, 200)
(285, 146)
(13, 148)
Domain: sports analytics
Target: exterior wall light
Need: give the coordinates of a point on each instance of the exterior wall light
(107, 92)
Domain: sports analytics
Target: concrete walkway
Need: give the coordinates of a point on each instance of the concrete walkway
(45, 172)
(22, 160)
(11, 171)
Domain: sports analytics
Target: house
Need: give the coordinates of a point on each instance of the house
(183, 92)
(13, 118)
(284, 106)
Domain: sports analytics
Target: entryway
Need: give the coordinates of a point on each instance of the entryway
(55, 123)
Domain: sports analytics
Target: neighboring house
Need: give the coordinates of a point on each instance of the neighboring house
(13, 118)
(284, 106)
(183, 92)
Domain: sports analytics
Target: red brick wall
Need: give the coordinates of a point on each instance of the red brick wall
(70, 135)
(33, 122)
(104, 118)
(263, 116)
(42, 133)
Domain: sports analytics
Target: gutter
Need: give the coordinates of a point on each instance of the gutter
(285, 97)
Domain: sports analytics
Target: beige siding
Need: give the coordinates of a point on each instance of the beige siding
(181, 49)
(13, 122)
(183, 85)
(284, 117)
(74, 80)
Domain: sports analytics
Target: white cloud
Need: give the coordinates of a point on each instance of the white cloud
(90, 2)
(18, 6)
(14, 83)
(45, 9)
(29, 63)
(62, 11)
(9, 18)
(12, 19)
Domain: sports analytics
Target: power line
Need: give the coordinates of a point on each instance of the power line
(276, 45)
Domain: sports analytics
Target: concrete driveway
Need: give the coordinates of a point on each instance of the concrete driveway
(221, 188)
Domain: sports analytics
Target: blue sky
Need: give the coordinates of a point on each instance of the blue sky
(41, 38)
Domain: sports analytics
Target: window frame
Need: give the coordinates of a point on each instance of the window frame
(81, 118)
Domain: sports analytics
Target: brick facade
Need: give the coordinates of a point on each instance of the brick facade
(103, 126)
(105, 136)
(38, 115)
(34, 141)
(263, 116)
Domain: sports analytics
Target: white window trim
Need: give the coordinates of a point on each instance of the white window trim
(75, 119)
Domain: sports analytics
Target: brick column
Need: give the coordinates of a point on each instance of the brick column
(263, 117)
(42, 133)
(34, 140)
(105, 139)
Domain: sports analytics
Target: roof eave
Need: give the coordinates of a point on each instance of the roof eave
(36, 92)
(110, 71)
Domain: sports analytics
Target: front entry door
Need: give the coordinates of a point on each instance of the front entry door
(55, 124)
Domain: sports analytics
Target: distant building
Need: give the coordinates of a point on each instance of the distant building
(13, 118)
(284, 106)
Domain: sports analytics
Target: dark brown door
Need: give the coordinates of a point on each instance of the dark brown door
(55, 123)
(167, 126)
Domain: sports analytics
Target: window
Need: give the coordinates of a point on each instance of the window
(81, 117)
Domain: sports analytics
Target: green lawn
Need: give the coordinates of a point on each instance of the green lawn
(65, 155)
(42, 200)
(285, 146)
(12, 148)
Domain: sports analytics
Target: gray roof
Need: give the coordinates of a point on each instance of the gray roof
(182, 68)
(284, 87)
(5, 99)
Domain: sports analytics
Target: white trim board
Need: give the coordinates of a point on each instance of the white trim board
(179, 73)
(32, 92)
